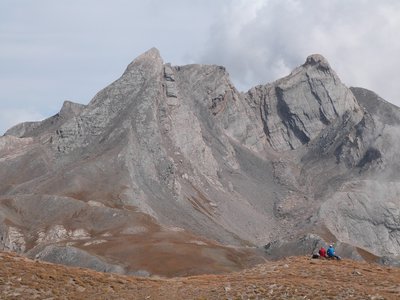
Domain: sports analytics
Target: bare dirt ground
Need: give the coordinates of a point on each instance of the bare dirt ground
(291, 278)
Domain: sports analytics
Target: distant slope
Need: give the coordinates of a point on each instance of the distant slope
(387, 112)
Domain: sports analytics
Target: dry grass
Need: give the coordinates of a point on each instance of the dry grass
(292, 278)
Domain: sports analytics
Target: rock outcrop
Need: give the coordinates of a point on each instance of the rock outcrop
(28, 129)
(174, 161)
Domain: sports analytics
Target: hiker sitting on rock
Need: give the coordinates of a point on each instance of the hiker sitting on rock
(322, 252)
(331, 252)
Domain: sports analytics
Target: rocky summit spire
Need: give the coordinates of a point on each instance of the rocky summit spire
(317, 60)
(70, 109)
(150, 57)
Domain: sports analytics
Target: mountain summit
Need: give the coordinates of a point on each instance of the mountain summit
(170, 170)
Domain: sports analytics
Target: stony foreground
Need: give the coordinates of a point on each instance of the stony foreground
(291, 278)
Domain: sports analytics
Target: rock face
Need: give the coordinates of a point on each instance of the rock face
(295, 109)
(172, 161)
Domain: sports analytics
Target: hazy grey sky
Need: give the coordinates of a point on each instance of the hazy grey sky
(51, 51)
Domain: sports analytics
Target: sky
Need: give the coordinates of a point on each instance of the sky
(52, 51)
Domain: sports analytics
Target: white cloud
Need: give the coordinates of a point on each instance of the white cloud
(359, 38)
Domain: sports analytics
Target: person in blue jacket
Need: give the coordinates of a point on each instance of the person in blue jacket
(331, 252)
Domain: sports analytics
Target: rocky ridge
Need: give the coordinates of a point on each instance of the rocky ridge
(175, 159)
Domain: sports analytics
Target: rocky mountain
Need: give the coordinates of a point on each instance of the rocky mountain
(170, 170)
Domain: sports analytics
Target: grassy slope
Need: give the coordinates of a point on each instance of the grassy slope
(291, 278)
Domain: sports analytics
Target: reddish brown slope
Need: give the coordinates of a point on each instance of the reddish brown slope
(292, 278)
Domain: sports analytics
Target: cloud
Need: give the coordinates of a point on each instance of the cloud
(260, 41)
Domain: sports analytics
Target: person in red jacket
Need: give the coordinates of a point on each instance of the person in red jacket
(322, 252)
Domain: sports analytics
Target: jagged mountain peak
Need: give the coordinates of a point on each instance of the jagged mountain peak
(298, 107)
(317, 60)
(145, 60)
(151, 54)
(70, 109)
(177, 152)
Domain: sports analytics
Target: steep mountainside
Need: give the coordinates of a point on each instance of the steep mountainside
(172, 165)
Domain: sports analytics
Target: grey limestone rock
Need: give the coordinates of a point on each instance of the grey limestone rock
(295, 109)
(75, 257)
(176, 150)
(21, 129)
(366, 214)
(28, 129)
(71, 109)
